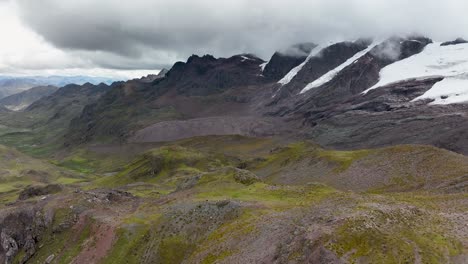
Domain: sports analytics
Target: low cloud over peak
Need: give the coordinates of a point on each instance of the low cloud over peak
(145, 34)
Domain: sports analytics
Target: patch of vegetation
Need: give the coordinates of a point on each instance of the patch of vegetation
(283, 158)
(19, 171)
(344, 159)
(130, 244)
(162, 165)
(134, 236)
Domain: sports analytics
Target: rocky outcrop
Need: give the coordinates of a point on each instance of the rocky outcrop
(39, 190)
(245, 177)
(21, 230)
(153, 77)
(454, 42)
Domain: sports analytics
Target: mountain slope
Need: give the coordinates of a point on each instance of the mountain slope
(21, 101)
(284, 61)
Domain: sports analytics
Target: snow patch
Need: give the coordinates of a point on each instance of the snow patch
(291, 74)
(331, 74)
(244, 58)
(263, 65)
(451, 90)
(435, 60)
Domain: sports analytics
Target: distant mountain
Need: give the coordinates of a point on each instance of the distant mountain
(22, 100)
(11, 84)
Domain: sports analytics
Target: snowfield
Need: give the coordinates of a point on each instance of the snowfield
(451, 90)
(331, 74)
(450, 62)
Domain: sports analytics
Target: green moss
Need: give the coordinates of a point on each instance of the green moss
(213, 258)
(286, 155)
(77, 164)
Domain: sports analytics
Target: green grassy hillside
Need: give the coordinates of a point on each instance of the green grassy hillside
(244, 200)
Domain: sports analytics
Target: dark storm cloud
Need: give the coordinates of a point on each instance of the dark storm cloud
(148, 34)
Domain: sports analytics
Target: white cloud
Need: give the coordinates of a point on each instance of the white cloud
(24, 52)
(146, 34)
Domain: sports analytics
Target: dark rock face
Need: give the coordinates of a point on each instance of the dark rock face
(454, 42)
(283, 62)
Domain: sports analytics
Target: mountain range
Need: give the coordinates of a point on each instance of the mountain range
(10, 85)
(343, 152)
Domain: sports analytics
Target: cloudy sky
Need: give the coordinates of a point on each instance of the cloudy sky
(133, 38)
